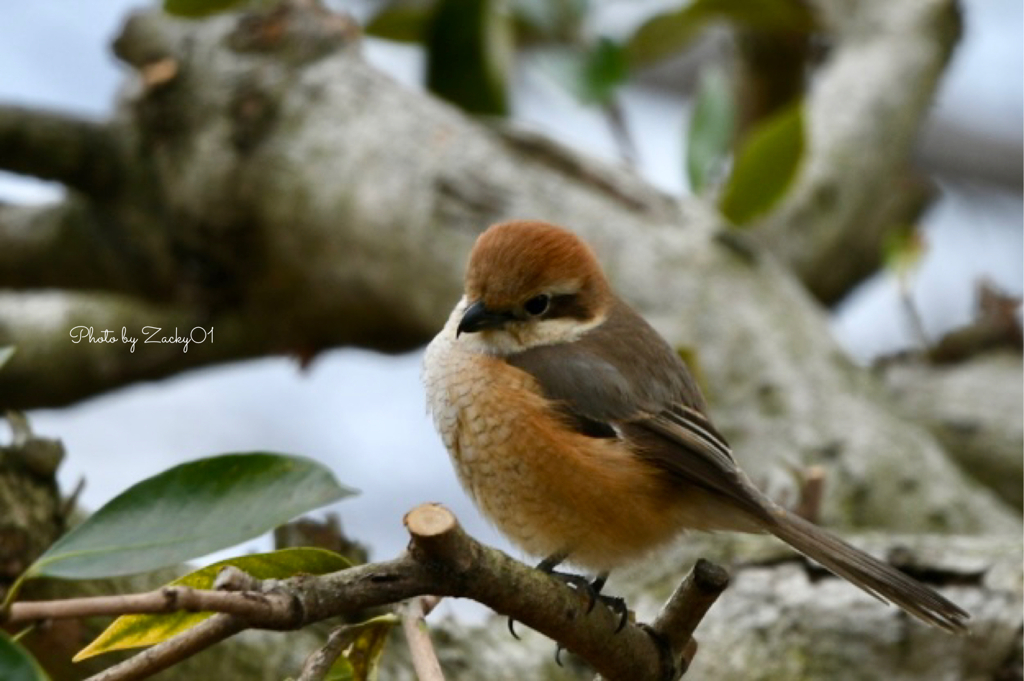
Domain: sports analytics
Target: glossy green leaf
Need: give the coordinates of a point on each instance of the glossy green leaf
(6, 353)
(469, 55)
(199, 8)
(765, 165)
(668, 33)
(188, 511)
(712, 126)
(134, 631)
(16, 663)
(403, 21)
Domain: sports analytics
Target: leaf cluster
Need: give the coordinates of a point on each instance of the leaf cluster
(186, 512)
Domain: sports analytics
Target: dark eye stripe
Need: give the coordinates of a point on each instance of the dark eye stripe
(568, 306)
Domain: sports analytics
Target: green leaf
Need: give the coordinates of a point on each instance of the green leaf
(361, 659)
(663, 35)
(591, 76)
(16, 663)
(190, 510)
(903, 249)
(403, 21)
(712, 126)
(195, 9)
(469, 55)
(668, 33)
(765, 165)
(6, 353)
(134, 631)
(604, 69)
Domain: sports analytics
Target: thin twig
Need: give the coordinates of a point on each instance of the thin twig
(616, 117)
(414, 625)
(687, 606)
(167, 599)
(812, 490)
(170, 652)
(72, 500)
(320, 660)
(917, 329)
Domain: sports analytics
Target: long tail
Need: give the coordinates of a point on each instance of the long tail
(870, 574)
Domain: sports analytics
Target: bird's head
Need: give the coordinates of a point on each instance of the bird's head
(531, 283)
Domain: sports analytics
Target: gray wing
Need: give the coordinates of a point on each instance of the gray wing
(642, 392)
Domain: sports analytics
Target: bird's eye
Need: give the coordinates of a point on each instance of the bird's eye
(537, 305)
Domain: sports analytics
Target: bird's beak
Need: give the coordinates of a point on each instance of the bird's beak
(477, 318)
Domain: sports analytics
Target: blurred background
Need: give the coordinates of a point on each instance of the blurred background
(363, 413)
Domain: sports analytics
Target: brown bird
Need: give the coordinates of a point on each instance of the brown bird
(579, 432)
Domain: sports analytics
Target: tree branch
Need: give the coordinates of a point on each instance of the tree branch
(53, 329)
(854, 184)
(442, 559)
(82, 154)
(413, 613)
(320, 660)
(58, 246)
(686, 608)
(974, 407)
(168, 599)
(172, 651)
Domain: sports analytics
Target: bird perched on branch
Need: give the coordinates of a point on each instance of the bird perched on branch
(579, 432)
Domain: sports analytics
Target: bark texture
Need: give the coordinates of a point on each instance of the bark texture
(974, 408)
(864, 110)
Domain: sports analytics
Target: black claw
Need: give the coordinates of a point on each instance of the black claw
(617, 605)
(558, 655)
(512, 629)
(595, 591)
(547, 565)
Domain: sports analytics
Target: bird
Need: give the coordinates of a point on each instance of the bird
(584, 438)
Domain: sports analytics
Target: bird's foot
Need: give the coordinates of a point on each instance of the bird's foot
(592, 590)
(618, 607)
(576, 582)
(614, 603)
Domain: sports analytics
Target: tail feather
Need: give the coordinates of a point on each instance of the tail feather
(874, 576)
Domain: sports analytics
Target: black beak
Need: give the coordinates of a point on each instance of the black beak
(477, 318)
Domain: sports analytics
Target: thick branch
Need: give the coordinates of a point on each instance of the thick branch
(82, 154)
(863, 113)
(56, 246)
(974, 408)
(53, 329)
